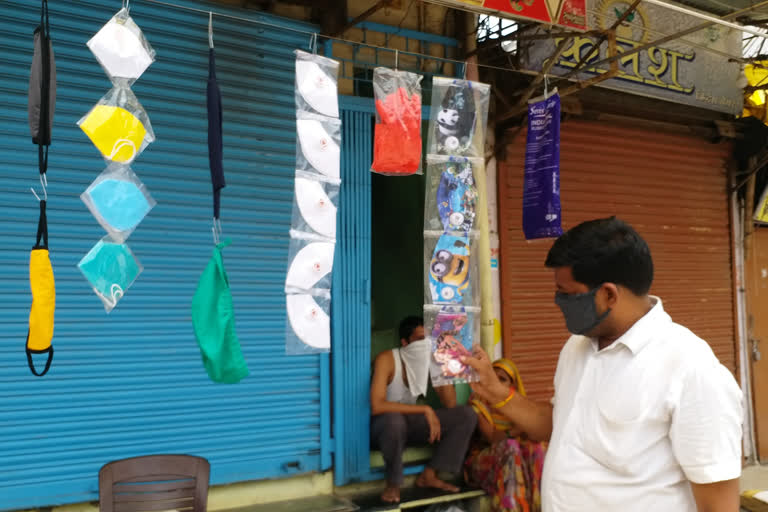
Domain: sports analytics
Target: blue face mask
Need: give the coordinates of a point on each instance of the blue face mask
(118, 205)
(110, 268)
(580, 311)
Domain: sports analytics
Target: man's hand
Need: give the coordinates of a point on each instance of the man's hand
(488, 387)
(434, 424)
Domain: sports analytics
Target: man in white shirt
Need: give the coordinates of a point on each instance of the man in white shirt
(644, 416)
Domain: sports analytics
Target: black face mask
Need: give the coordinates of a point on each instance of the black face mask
(580, 311)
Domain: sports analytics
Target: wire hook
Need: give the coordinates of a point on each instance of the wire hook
(44, 184)
(217, 231)
(313, 42)
(210, 29)
(397, 58)
(127, 5)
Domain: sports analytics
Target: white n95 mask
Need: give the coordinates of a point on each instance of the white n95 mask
(311, 263)
(309, 321)
(316, 208)
(315, 85)
(121, 48)
(319, 147)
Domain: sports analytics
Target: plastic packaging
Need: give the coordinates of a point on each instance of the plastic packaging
(308, 326)
(310, 264)
(318, 144)
(118, 126)
(451, 194)
(118, 200)
(450, 269)
(111, 268)
(315, 204)
(451, 332)
(317, 80)
(121, 49)
(459, 117)
(397, 134)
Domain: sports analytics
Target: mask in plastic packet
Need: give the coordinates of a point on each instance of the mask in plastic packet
(311, 262)
(118, 200)
(118, 126)
(309, 323)
(320, 145)
(111, 268)
(121, 49)
(43, 287)
(452, 195)
(397, 134)
(451, 336)
(315, 197)
(458, 117)
(316, 84)
(450, 271)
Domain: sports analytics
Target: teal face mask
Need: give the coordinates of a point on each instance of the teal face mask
(118, 201)
(110, 268)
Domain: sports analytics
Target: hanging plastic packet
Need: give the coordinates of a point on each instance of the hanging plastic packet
(319, 144)
(42, 84)
(308, 329)
(121, 49)
(451, 193)
(451, 270)
(397, 134)
(317, 84)
(118, 200)
(761, 212)
(459, 117)
(450, 333)
(213, 320)
(314, 206)
(310, 262)
(43, 286)
(111, 268)
(541, 189)
(118, 126)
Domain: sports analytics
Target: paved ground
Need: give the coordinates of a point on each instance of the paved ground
(754, 477)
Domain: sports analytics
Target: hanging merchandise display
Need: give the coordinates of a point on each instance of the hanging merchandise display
(309, 322)
(213, 320)
(397, 134)
(111, 268)
(314, 208)
(41, 107)
(213, 311)
(456, 152)
(316, 192)
(118, 200)
(541, 191)
(43, 286)
(459, 117)
(320, 141)
(316, 84)
(121, 49)
(119, 127)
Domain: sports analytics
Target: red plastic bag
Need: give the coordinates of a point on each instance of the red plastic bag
(397, 135)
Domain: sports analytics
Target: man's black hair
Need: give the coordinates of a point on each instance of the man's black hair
(605, 251)
(408, 325)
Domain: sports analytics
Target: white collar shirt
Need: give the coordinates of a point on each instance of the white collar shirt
(635, 422)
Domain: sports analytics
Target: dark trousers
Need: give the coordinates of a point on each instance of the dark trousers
(392, 432)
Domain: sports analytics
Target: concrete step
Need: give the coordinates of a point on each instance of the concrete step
(412, 498)
(314, 504)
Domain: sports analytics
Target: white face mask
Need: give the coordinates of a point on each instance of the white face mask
(316, 207)
(416, 357)
(121, 49)
(318, 147)
(309, 321)
(317, 88)
(311, 263)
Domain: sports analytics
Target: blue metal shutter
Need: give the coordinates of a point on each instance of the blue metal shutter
(351, 319)
(132, 382)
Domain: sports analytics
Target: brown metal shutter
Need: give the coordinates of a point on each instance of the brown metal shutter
(670, 187)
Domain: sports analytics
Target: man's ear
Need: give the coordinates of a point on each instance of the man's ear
(403, 342)
(611, 292)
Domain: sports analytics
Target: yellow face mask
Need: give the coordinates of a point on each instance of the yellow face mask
(117, 133)
(41, 314)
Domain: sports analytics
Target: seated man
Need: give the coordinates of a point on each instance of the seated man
(399, 377)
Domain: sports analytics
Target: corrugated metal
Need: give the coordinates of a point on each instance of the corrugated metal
(671, 188)
(132, 383)
(351, 296)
